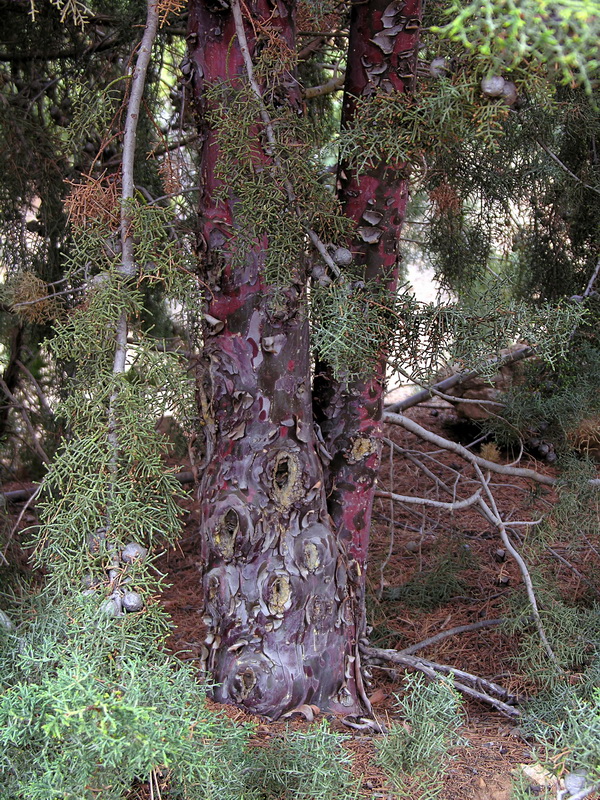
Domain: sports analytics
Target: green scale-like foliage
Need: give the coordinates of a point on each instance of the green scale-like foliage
(414, 754)
(565, 722)
(109, 475)
(563, 35)
(91, 705)
(257, 184)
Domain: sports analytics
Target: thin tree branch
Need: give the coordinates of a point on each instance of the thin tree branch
(130, 134)
(14, 528)
(564, 167)
(439, 637)
(26, 419)
(46, 297)
(128, 267)
(564, 561)
(38, 389)
(425, 501)
(454, 447)
(592, 280)
(385, 561)
(448, 397)
(154, 200)
(493, 515)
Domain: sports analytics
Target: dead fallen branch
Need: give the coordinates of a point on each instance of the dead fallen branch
(425, 501)
(471, 685)
(454, 380)
(489, 510)
(454, 447)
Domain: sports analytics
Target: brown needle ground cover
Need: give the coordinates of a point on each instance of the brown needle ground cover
(482, 768)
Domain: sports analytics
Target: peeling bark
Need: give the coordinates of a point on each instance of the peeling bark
(278, 610)
(382, 57)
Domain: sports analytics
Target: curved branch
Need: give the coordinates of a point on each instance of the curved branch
(493, 515)
(425, 501)
(446, 444)
(129, 138)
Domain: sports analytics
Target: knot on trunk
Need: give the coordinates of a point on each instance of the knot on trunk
(225, 533)
(361, 448)
(285, 479)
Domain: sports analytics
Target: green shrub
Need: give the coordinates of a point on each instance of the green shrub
(418, 746)
(81, 717)
(311, 765)
(565, 721)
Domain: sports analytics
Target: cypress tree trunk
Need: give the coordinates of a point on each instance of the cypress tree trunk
(275, 576)
(284, 545)
(382, 56)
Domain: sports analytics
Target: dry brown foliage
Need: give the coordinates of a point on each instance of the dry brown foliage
(170, 173)
(445, 199)
(29, 298)
(97, 200)
(167, 7)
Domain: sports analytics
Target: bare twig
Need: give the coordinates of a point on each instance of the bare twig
(27, 420)
(555, 554)
(15, 527)
(564, 167)
(446, 444)
(38, 389)
(154, 200)
(493, 515)
(425, 501)
(436, 392)
(439, 637)
(592, 280)
(385, 561)
(130, 135)
(490, 511)
(45, 297)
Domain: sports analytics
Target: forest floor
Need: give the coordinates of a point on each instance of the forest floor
(408, 547)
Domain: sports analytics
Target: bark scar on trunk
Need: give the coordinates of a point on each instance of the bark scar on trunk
(362, 446)
(286, 473)
(280, 594)
(225, 534)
